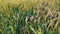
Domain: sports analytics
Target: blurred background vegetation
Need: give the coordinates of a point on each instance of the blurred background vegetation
(29, 16)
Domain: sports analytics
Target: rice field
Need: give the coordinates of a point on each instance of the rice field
(29, 16)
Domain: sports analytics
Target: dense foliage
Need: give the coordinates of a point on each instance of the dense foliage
(29, 16)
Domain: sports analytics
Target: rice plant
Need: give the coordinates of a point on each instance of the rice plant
(29, 16)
